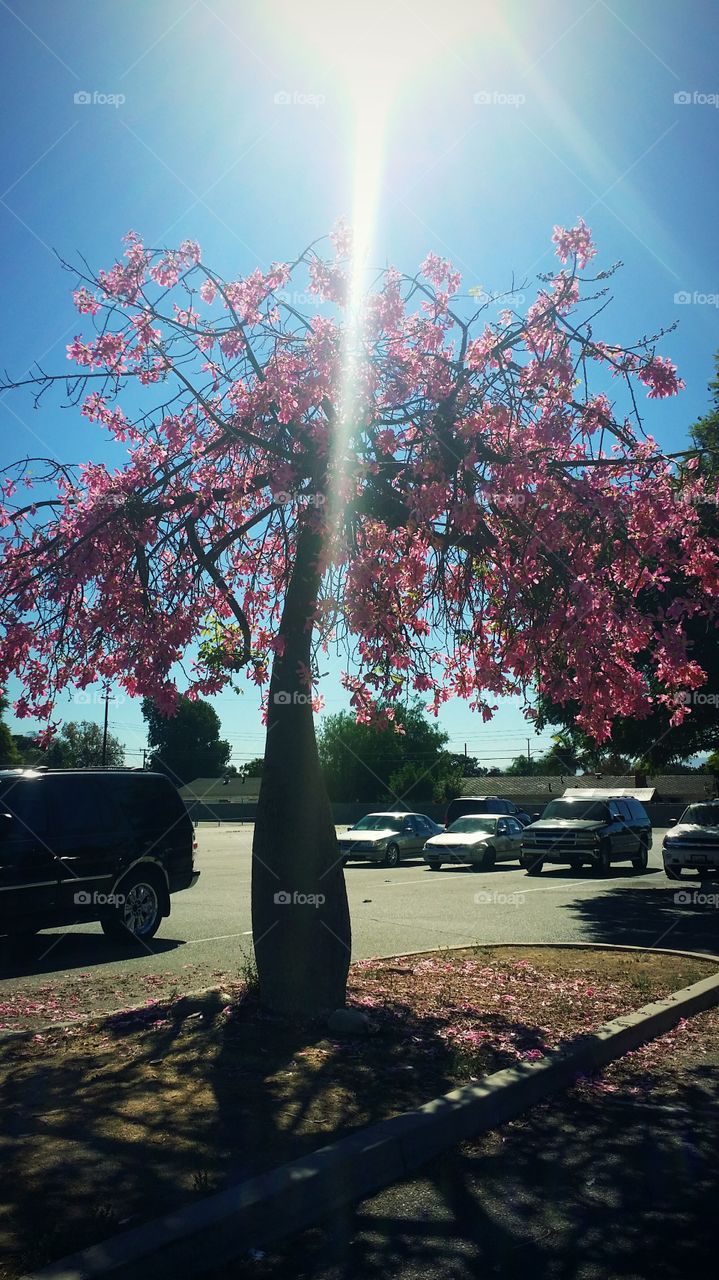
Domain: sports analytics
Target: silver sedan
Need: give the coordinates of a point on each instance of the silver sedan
(478, 840)
(387, 837)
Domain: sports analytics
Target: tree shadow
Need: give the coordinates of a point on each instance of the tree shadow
(198, 1100)
(681, 916)
(579, 1189)
(103, 1150)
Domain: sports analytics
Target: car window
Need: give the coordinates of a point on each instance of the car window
(25, 800)
(147, 803)
(76, 806)
(424, 826)
(473, 822)
(704, 815)
(378, 822)
(514, 826)
(584, 810)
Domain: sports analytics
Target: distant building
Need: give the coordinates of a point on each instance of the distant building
(533, 791)
(217, 792)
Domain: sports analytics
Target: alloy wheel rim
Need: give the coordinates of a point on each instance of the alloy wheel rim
(140, 909)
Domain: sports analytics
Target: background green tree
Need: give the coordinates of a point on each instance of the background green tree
(10, 757)
(361, 763)
(78, 745)
(187, 745)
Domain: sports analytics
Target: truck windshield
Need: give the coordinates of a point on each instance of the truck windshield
(585, 810)
(704, 815)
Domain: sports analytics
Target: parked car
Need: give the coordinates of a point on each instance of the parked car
(594, 832)
(693, 842)
(479, 840)
(463, 805)
(387, 837)
(81, 845)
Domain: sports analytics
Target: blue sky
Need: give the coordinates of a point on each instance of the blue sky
(502, 120)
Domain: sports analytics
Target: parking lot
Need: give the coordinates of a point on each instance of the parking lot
(405, 909)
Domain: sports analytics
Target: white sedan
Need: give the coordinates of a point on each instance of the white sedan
(479, 840)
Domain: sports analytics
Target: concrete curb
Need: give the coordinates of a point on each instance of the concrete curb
(220, 1228)
(553, 946)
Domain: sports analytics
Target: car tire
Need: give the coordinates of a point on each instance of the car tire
(673, 873)
(488, 860)
(391, 857)
(534, 868)
(640, 862)
(139, 916)
(575, 866)
(603, 865)
(435, 865)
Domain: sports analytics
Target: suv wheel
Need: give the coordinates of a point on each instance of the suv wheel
(673, 873)
(534, 868)
(391, 857)
(139, 915)
(435, 865)
(603, 865)
(640, 862)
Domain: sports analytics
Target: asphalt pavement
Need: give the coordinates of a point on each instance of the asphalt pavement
(576, 1189)
(408, 908)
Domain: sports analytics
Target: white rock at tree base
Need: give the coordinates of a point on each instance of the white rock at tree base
(349, 1022)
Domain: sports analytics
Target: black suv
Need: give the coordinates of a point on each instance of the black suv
(597, 832)
(81, 845)
(465, 805)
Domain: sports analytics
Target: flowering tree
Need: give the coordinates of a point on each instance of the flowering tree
(461, 504)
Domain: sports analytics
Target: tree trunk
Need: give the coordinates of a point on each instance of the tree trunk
(300, 915)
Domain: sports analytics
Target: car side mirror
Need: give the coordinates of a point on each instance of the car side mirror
(536, 817)
(5, 824)
(350, 828)
(673, 822)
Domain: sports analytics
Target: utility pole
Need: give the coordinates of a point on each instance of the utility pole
(529, 755)
(104, 732)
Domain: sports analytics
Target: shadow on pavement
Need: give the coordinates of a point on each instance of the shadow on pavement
(48, 952)
(580, 1190)
(681, 917)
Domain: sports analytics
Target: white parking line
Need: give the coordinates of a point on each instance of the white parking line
(220, 937)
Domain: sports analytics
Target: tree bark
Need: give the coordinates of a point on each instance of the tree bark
(300, 914)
